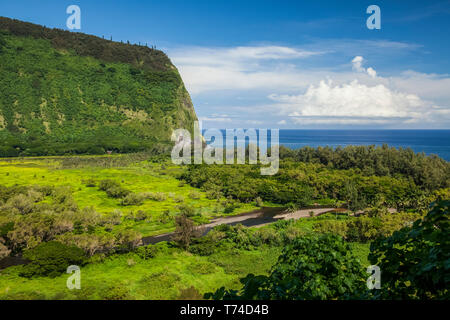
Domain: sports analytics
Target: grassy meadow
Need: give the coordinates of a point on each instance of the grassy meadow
(141, 176)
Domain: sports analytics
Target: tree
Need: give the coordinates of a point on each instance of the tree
(185, 231)
(415, 261)
(312, 267)
(51, 259)
(4, 251)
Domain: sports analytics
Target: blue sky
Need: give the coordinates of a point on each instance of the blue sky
(286, 64)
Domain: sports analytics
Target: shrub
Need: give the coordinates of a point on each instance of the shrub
(194, 195)
(186, 210)
(62, 195)
(147, 252)
(90, 183)
(117, 192)
(268, 236)
(140, 216)
(204, 246)
(51, 259)
(4, 251)
(108, 184)
(178, 198)
(90, 243)
(190, 293)
(128, 240)
(363, 229)
(165, 217)
(20, 203)
(310, 268)
(116, 292)
(331, 226)
(156, 196)
(259, 202)
(415, 260)
(133, 199)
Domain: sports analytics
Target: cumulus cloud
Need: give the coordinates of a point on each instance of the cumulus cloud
(241, 78)
(357, 66)
(352, 102)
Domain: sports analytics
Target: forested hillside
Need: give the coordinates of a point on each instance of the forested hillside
(72, 93)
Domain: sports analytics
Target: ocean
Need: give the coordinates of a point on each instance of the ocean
(427, 141)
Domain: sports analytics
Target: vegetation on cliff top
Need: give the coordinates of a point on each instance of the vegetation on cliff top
(71, 93)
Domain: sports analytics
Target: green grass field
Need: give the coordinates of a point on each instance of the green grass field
(172, 273)
(128, 276)
(137, 177)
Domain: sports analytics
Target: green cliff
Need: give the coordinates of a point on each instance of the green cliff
(70, 93)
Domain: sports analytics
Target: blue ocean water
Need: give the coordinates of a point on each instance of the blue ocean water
(427, 141)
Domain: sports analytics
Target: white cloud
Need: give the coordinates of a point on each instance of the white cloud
(371, 72)
(352, 102)
(239, 68)
(238, 78)
(357, 63)
(215, 119)
(254, 122)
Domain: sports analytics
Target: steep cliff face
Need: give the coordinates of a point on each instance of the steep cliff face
(63, 92)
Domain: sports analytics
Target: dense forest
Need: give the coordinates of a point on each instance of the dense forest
(360, 177)
(71, 93)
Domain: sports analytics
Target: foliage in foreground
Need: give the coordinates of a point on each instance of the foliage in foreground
(415, 261)
(311, 267)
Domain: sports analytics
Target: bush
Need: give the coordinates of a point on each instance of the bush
(194, 195)
(133, 199)
(186, 210)
(117, 192)
(90, 183)
(4, 251)
(20, 203)
(310, 268)
(190, 293)
(116, 292)
(330, 226)
(147, 252)
(178, 198)
(363, 229)
(108, 184)
(268, 236)
(156, 196)
(204, 246)
(140, 216)
(51, 259)
(415, 260)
